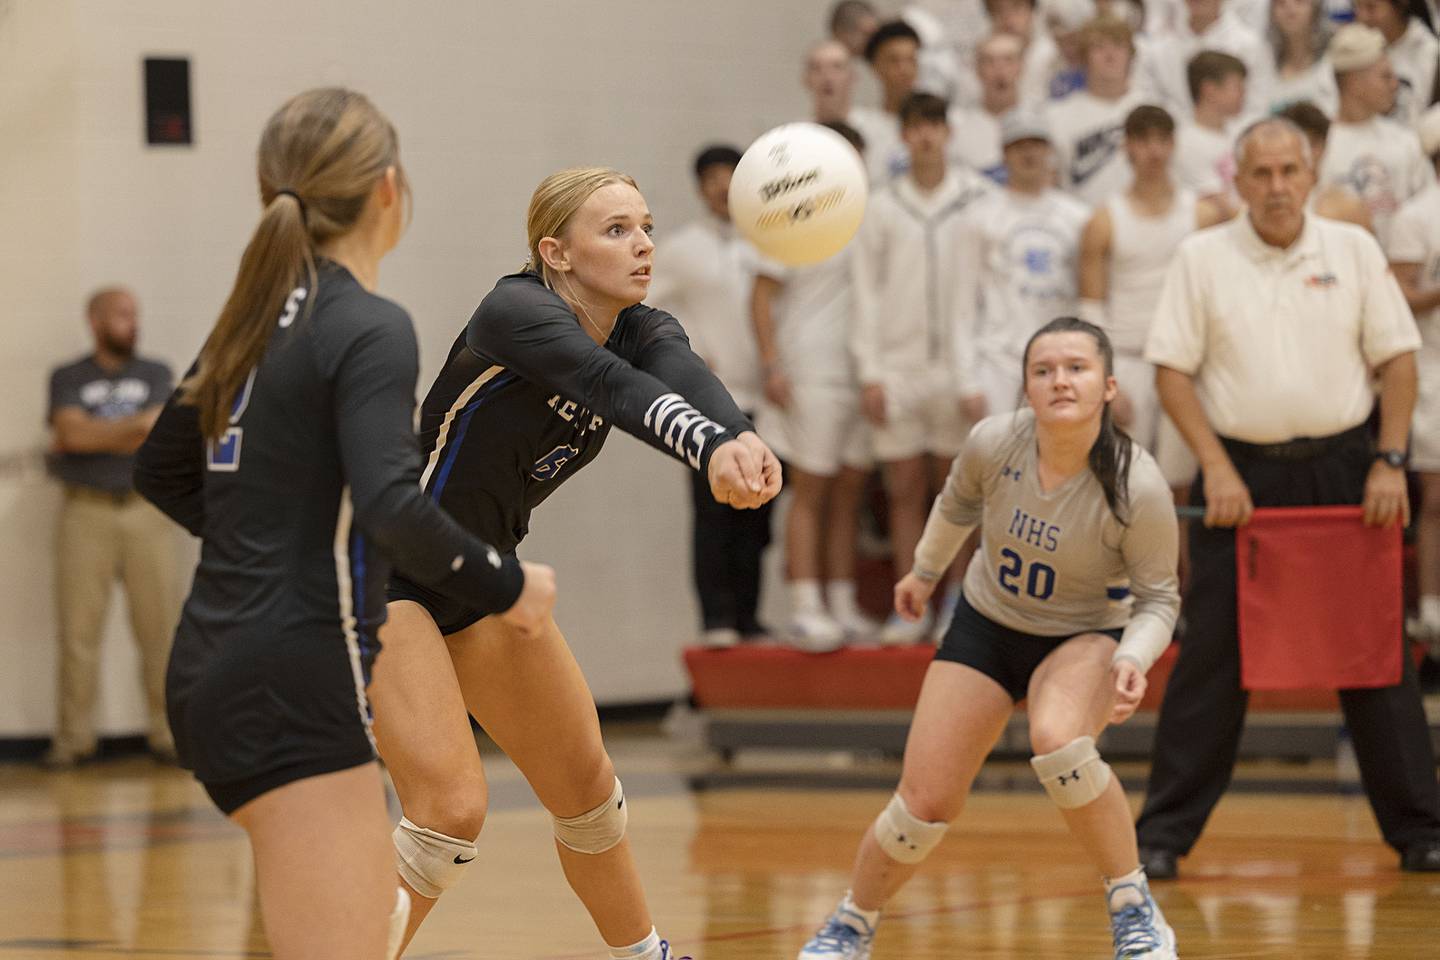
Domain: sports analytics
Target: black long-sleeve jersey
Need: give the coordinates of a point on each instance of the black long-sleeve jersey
(527, 398)
(313, 491)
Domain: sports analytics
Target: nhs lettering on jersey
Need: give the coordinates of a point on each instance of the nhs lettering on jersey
(680, 426)
(572, 412)
(1035, 531)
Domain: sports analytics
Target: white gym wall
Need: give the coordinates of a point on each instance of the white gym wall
(488, 97)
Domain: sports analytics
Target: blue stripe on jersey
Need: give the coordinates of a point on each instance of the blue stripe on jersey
(357, 586)
(1117, 593)
(484, 394)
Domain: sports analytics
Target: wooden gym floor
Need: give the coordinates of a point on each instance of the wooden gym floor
(127, 859)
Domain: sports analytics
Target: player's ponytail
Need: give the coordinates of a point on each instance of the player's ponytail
(320, 157)
(1113, 449)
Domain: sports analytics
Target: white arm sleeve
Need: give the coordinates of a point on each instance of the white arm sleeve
(955, 513)
(1151, 549)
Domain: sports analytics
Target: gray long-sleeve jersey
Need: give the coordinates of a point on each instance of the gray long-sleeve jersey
(1057, 563)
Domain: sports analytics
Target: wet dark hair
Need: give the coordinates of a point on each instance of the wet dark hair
(923, 108)
(852, 135)
(1113, 451)
(716, 155)
(893, 30)
(1148, 118)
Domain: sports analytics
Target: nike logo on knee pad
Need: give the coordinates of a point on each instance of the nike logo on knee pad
(467, 860)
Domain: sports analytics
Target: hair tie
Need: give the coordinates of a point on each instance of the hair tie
(287, 192)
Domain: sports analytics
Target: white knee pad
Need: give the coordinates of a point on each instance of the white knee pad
(1074, 775)
(595, 831)
(430, 862)
(905, 837)
(399, 917)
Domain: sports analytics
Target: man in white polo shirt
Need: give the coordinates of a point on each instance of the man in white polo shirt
(1265, 340)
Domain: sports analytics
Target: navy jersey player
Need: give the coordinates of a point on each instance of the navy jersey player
(289, 451)
(1077, 551)
(553, 358)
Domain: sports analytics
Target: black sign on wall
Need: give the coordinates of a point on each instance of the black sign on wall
(167, 100)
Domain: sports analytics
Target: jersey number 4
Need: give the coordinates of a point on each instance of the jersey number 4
(1039, 581)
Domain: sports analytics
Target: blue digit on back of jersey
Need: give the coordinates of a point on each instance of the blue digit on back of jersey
(224, 456)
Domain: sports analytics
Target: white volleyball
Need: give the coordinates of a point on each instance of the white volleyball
(799, 193)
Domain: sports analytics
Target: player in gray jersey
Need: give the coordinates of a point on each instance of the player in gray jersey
(1070, 599)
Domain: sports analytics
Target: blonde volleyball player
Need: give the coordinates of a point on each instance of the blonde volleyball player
(553, 357)
(1069, 600)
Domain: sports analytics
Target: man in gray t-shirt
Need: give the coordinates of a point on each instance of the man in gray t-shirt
(101, 408)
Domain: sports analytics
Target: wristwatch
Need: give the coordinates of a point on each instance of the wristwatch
(1394, 458)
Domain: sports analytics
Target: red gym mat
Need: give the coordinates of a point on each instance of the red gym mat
(769, 675)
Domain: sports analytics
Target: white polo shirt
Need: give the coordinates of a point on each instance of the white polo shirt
(1281, 343)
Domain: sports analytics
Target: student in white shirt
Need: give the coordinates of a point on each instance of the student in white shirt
(1055, 63)
(1412, 49)
(1208, 25)
(1088, 125)
(1023, 241)
(907, 340)
(1299, 32)
(1415, 257)
(893, 52)
(1375, 156)
(1336, 200)
(829, 77)
(1204, 158)
(1124, 253)
(707, 274)
(977, 141)
(850, 24)
(802, 318)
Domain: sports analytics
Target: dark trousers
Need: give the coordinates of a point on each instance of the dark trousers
(727, 545)
(1203, 711)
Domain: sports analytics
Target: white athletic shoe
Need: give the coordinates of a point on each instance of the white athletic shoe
(815, 632)
(845, 936)
(1138, 926)
(666, 954)
(719, 638)
(898, 632)
(1425, 633)
(857, 626)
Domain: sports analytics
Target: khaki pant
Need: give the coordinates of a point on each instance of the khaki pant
(103, 538)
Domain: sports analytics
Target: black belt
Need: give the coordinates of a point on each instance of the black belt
(1300, 448)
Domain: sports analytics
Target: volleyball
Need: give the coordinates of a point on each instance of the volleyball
(799, 193)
